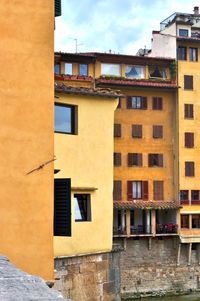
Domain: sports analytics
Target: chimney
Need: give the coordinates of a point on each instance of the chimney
(196, 10)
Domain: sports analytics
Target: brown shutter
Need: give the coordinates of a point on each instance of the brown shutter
(129, 102)
(137, 131)
(157, 131)
(145, 190)
(160, 160)
(117, 159)
(158, 191)
(130, 190)
(144, 103)
(188, 82)
(189, 169)
(150, 160)
(117, 130)
(189, 140)
(160, 103)
(130, 159)
(139, 159)
(154, 103)
(117, 191)
(188, 109)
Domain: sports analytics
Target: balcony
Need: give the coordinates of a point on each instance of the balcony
(120, 231)
(184, 202)
(140, 230)
(166, 229)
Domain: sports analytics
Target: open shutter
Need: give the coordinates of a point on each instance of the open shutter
(160, 103)
(150, 160)
(144, 103)
(117, 130)
(130, 190)
(160, 160)
(129, 102)
(130, 159)
(62, 207)
(139, 159)
(145, 190)
(117, 191)
(154, 103)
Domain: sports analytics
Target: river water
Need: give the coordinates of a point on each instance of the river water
(175, 298)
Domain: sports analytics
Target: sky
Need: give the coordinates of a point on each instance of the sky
(122, 26)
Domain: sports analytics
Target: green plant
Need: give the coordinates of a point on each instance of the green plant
(173, 69)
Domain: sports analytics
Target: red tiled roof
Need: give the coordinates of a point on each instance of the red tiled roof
(146, 205)
(141, 83)
(189, 39)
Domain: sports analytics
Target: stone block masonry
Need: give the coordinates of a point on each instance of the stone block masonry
(89, 277)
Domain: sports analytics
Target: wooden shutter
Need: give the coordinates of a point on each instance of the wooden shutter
(117, 191)
(188, 82)
(150, 160)
(117, 130)
(130, 190)
(189, 140)
(137, 131)
(57, 8)
(160, 103)
(157, 131)
(189, 169)
(154, 103)
(158, 191)
(157, 103)
(117, 159)
(144, 103)
(130, 160)
(160, 160)
(139, 159)
(62, 207)
(129, 102)
(145, 190)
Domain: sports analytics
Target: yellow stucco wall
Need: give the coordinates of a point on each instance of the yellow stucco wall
(26, 134)
(87, 158)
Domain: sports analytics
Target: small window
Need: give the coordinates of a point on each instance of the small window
(182, 53)
(183, 32)
(57, 69)
(158, 190)
(135, 159)
(117, 159)
(83, 69)
(193, 54)
(188, 82)
(134, 71)
(157, 131)
(82, 206)
(184, 195)
(188, 111)
(155, 160)
(137, 102)
(185, 221)
(189, 140)
(157, 72)
(195, 195)
(189, 169)
(157, 103)
(137, 131)
(195, 221)
(110, 69)
(64, 119)
(117, 190)
(117, 130)
(68, 69)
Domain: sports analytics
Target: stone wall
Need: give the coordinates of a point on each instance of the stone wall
(151, 268)
(89, 277)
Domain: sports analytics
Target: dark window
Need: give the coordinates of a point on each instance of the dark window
(189, 140)
(188, 111)
(57, 69)
(137, 131)
(82, 206)
(158, 190)
(184, 196)
(117, 191)
(137, 190)
(83, 69)
(157, 72)
(157, 103)
(193, 54)
(188, 82)
(195, 220)
(117, 130)
(195, 195)
(157, 131)
(62, 207)
(64, 118)
(137, 102)
(135, 159)
(183, 32)
(117, 159)
(182, 53)
(155, 160)
(185, 221)
(189, 169)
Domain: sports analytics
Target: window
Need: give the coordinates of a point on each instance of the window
(82, 207)
(184, 195)
(188, 82)
(134, 71)
(83, 69)
(155, 160)
(189, 140)
(57, 69)
(158, 190)
(195, 195)
(117, 190)
(157, 131)
(157, 72)
(137, 190)
(189, 169)
(117, 159)
(157, 103)
(65, 118)
(68, 69)
(195, 221)
(185, 221)
(182, 53)
(110, 69)
(188, 111)
(136, 102)
(135, 159)
(117, 130)
(183, 32)
(137, 131)
(193, 54)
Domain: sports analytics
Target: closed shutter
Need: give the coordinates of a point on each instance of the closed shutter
(139, 159)
(160, 160)
(117, 191)
(157, 103)
(145, 190)
(188, 110)
(62, 207)
(158, 191)
(188, 82)
(150, 160)
(160, 103)
(154, 103)
(57, 8)
(144, 103)
(129, 102)
(130, 190)
(117, 159)
(157, 131)
(137, 131)
(189, 169)
(117, 130)
(189, 140)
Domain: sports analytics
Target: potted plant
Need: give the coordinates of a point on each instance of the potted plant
(173, 71)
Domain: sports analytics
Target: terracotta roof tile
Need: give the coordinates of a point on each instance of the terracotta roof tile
(146, 205)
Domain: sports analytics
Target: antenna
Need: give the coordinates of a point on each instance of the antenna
(76, 44)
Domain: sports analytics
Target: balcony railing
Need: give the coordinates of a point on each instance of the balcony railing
(195, 202)
(185, 202)
(166, 229)
(119, 231)
(140, 229)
